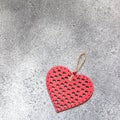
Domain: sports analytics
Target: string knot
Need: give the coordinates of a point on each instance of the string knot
(74, 73)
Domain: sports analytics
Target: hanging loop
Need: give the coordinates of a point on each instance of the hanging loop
(80, 61)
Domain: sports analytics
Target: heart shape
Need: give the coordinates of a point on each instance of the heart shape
(66, 93)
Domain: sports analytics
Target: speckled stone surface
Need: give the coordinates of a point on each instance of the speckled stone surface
(36, 35)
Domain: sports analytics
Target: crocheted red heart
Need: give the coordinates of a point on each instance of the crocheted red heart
(66, 93)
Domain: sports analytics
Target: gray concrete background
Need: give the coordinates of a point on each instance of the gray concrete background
(36, 35)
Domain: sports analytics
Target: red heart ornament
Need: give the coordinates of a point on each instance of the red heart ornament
(66, 93)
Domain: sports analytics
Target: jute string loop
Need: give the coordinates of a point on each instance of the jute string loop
(80, 62)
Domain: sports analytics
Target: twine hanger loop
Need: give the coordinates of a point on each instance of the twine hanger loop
(80, 62)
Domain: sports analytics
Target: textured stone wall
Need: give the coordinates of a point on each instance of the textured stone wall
(36, 35)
